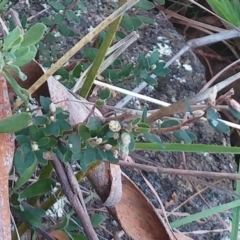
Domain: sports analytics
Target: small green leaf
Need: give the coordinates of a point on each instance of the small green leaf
(74, 142)
(219, 125)
(77, 156)
(47, 143)
(153, 138)
(57, 6)
(100, 103)
(15, 122)
(182, 135)
(105, 94)
(143, 128)
(153, 57)
(97, 219)
(234, 112)
(58, 18)
(11, 38)
(160, 2)
(94, 123)
(145, 19)
(84, 131)
(103, 130)
(67, 156)
(47, 21)
(144, 5)
(34, 133)
(144, 114)
(63, 29)
(45, 102)
(142, 60)
(38, 188)
(136, 121)
(110, 157)
(151, 81)
(23, 60)
(21, 139)
(33, 35)
(170, 123)
(64, 125)
(77, 71)
(40, 120)
(90, 53)
(212, 114)
(88, 158)
(161, 70)
(191, 135)
(125, 72)
(31, 215)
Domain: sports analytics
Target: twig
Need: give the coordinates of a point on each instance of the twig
(70, 188)
(193, 173)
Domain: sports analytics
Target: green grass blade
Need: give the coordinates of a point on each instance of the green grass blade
(178, 147)
(91, 75)
(204, 214)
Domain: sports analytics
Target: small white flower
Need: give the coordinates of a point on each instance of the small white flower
(52, 108)
(34, 147)
(52, 119)
(107, 146)
(114, 126)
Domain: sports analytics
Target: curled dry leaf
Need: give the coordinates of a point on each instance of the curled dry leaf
(6, 159)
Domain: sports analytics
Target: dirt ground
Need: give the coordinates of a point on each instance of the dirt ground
(186, 78)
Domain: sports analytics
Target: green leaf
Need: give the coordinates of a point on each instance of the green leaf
(153, 138)
(212, 114)
(84, 131)
(38, 188)
(33, 35)
(67, 156)
(219, 125)
(88, 157)
(144, 114)
(90, 53)
(24, 59)
(94, 123)
(75, 141)
(136, 121)
(145, 19)
(143, 128)
(52, 129)
(125, 72)
(58, 18)
(47, 21)
(45, 102)
(182, 135)
(15, 122)
(21, 139)
(105, 94)
(191, 135)
(63, 73)
(170, 123)
(64, 125)
(39, 156)
(18, 71)
(63, 29)
(234, 112)
(24, 171)
(144, 5)
(70, 15)
(97, 219)
(160, 2)
(161, 70)
(23, 164)
(153, 58)
(47, 143)
(57, 6)
(103, 130)
(11, 38)
(26, 147)
(31, 215)
(132, 144)
(40, 120)
(110, 157)
(77, 71)
(34, 133)
(151, 81)
(142, 60)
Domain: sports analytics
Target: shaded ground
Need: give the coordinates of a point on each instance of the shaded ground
(186, 78)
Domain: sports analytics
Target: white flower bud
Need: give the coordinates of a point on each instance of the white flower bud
(198, 113)
(114, 126)
(99, 141)
(107, 146)
(52, 108)
(126, 139)
(34, 146)
(52, 118)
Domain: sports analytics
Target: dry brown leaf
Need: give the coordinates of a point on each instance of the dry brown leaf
(7, 148)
